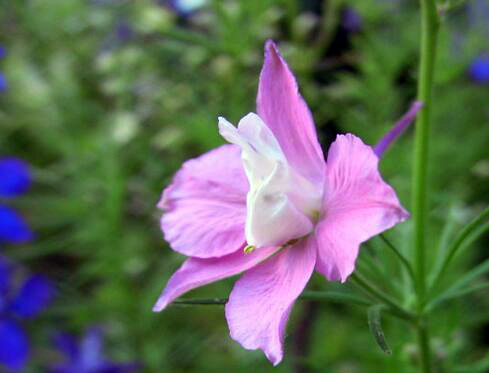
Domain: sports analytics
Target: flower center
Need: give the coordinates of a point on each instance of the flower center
(281, 204)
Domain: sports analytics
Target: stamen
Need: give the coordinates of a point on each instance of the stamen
(249, 249)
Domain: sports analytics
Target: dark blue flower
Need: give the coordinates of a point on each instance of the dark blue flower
(3, 52)
(87, 356)
(33, 296)
(351, 20)
(4, 279)
(15, 177)
(13, 229)
(479, 70)
(3, 83)
(14, 346)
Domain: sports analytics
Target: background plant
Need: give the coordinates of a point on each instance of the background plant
(105, 99)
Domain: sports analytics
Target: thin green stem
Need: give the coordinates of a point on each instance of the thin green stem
(468, 234)
(429, 30)
(401, 257)
(330, 296)
(369, 288)
(424, 345)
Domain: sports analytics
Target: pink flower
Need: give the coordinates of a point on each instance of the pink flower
(269, 205)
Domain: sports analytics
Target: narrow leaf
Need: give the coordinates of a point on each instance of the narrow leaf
(375, 326)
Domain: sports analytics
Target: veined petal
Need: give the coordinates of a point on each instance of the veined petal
(260, 303)
(196, 272)
(284, 111)
(357, 205)
(205, 206)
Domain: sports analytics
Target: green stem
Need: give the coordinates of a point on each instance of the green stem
(429, 31)
(424, 345)
(333, 296)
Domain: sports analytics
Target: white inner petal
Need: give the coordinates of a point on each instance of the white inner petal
(281, 204)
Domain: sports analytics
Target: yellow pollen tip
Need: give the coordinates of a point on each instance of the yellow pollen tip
(315, 215)
(249, 249)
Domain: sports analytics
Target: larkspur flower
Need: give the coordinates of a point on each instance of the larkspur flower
(351, 20)
(3, 83)
(479, 70)
(269, 205)
(15, 177)
(87, 356)
(15, 180)
(17, 304)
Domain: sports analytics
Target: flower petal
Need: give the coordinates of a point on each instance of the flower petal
(196, 272)
(14, 346)
(67, 345)
(34, 296)
(91, 348)
(272, 216)
(357, 205)
(205, 207)
(398, 129)
(13, 229)
(15, 178)
(5, 274)
(260, 303)
(284, 111)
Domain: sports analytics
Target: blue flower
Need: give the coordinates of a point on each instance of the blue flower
(185, 8)
(3, 52)
(33, 297)
(15, 180)
(15, 177)
(351, 20)
(14, 346)
(13, 229)
(479, 70)
(87, 356)
(3, 83)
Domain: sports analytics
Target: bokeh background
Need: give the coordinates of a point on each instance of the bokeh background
(105, 99)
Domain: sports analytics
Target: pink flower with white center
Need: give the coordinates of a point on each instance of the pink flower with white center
(270, 206)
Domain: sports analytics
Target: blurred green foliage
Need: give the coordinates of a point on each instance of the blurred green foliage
(106, 100)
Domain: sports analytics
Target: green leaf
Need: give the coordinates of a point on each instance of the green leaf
(471, 232)
(375, 325)
(455, 292)
(480, 366)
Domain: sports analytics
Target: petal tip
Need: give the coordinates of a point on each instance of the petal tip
(160, 305)
(273, 53)
(270, 45)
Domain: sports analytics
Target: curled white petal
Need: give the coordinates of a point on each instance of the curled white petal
(281, 204)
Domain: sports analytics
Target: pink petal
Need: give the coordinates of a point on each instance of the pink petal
(284, 111)
(205, 206)
(260, 303)
(357, 205)
(197, 272)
